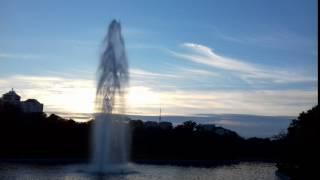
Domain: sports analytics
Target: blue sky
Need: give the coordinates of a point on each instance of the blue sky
(205, 57)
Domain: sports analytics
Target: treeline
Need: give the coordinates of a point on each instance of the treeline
(300, 146)
(196, 142)
(37, 135)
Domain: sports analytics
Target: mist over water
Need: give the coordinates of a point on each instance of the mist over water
(110, 146)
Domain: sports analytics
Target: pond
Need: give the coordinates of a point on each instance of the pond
(241, 171)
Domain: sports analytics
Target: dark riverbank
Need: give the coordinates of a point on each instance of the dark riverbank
(36, 137)
(182, 163)
(193, 163)
(40, 136)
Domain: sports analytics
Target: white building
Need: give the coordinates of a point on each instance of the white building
(27, 106)
(31, 105)
(11, 97)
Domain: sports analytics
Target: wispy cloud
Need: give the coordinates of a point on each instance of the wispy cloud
(187, 77)
(226, 122)
(263, 102)
(196, 72)
(179, 74)
(18, 56)
(275, 37)
(61, 94)
(250, 72)
(57, 93)
(149, 74)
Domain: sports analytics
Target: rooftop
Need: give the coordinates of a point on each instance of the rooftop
(11, 93)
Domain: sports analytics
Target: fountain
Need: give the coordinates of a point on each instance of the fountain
(110, 148)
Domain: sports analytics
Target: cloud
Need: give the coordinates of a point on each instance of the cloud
(57, 93)
(197, 72)
(182, 77)
(149, 74)
(76, 95)
(261, 102)
(226, 122)
(277, 38)
(146, 100)
(18, 56)
(179, 74)
(247, 71)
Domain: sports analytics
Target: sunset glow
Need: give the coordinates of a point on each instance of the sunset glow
(202, 65)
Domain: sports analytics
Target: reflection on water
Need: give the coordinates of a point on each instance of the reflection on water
(242, 171)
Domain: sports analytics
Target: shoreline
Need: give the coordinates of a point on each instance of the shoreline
(193, 163)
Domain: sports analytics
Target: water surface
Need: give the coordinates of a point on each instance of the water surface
(242, 171)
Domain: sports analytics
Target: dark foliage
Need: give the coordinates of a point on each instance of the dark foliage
(193, 142)
(301, 145)
(36, 135)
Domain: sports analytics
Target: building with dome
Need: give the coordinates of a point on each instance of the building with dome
(27, 106)
(11, 97)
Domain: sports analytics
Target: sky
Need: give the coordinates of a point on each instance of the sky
(187, 57)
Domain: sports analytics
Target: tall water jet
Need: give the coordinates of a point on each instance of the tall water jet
(110, 148)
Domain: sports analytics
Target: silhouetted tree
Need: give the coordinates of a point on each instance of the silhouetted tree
(302, 142)
(36, 135)
(190, 125)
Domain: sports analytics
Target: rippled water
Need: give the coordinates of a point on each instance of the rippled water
(242, 171)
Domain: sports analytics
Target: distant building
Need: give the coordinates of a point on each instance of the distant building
(28, 106)
(11, 97)
(31, 105)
